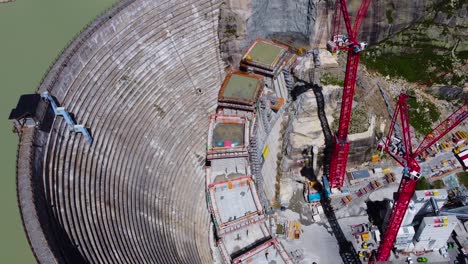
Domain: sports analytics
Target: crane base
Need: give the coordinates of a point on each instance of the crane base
(338, 163)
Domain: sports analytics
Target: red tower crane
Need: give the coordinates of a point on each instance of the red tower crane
(401, 150)
(340, 142)
(336, 21)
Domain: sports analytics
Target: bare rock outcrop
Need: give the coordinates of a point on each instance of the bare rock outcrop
(308, 20)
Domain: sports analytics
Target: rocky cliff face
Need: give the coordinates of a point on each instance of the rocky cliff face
(443, 26)
(308, 21)
(437, 45)
(241, 21)
(388, 17)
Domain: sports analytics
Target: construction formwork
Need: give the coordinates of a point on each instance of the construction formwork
(234, 204)
(267, 58)
(252, 244)
(235, 187)
(225, 169)
(228, 136)
(240, 90)
(242, 240)
(270, 251)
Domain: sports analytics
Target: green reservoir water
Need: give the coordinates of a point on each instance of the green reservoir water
(32, 33)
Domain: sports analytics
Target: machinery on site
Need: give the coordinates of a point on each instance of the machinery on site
(397, 145)
(349, 43)
(401, 150)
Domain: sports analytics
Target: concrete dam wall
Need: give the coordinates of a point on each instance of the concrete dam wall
(144, 77)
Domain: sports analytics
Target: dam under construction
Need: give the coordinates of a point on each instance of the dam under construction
(201, 132)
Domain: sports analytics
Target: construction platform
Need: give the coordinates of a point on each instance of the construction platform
(249, 105)
(238, 242)
(234, 204)
(226, 169)
(267, 57)
(252, 244)
(228, 136)
(268, 252)
(240, 90)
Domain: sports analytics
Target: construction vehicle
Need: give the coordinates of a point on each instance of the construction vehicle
(376, 235)
(350, 43)
(460, 147)
(422, 259)
(294, 230)
(459, 137)
(411, 171)
(451, 246)
(443, 252)
(446, 146)
(358, 229)
(365, 236)
(311, 195)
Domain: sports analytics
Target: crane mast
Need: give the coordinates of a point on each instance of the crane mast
(403, 152)
(404, 155)
(341, 143)
(336, 20)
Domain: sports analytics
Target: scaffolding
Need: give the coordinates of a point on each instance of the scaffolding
(249, 103)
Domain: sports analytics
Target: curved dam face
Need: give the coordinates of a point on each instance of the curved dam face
(143, 78)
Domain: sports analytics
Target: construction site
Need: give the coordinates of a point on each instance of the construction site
(241, 132)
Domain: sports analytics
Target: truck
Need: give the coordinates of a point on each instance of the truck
(311, 195)
(443, 252)
(358, 229)
(376, 234)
